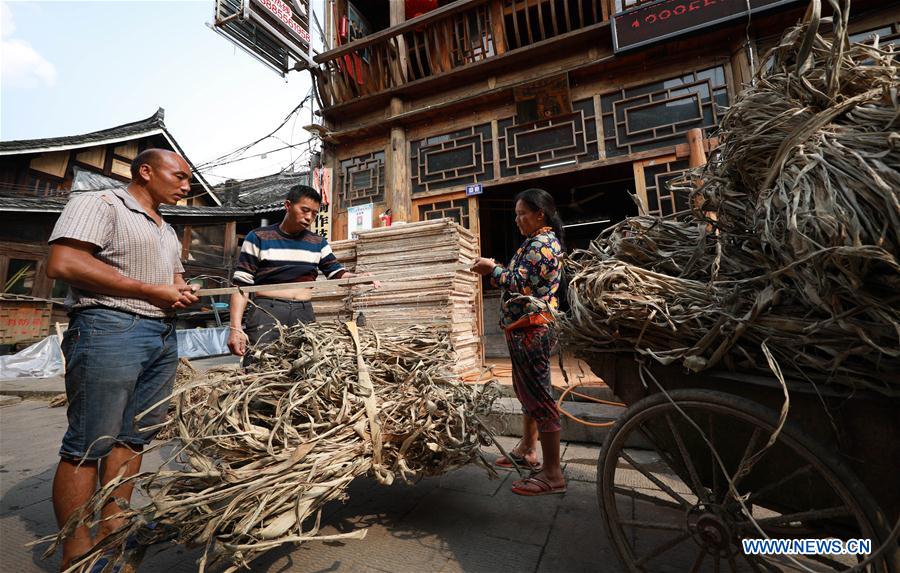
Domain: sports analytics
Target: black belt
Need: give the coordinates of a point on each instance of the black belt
(123, 311)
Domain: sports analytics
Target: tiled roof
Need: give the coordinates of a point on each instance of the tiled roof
(56, 205)
(153, 125)
(267, 191)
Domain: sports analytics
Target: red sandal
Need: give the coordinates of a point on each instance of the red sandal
(506, 463)
(543, 487)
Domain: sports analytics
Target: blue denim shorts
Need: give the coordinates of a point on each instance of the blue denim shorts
(117, 366)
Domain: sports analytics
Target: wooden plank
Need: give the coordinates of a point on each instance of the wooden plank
(528, 22)
(498, 27)
(481, 35)
(417, 51)
(397, 61)
(230, 243)
(553, 18)
(429, 46)
(186, 243)
(641, 186)
(540, 19)
(322, 285)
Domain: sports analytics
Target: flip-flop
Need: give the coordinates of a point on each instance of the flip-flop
(506, 464)
(544, 487)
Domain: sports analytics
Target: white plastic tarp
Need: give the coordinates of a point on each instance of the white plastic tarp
(40, 360)
(202, 342)
(44, 359)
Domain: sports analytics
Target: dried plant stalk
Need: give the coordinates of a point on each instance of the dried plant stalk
(793, 239)
(263, 449)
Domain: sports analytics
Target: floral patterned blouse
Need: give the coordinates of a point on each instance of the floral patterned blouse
(534, 271)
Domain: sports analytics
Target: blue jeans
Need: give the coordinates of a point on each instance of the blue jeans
(117, 366)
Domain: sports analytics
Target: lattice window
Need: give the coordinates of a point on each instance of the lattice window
(452, 159)
(362, 179)
(660, 199)
(546, 143)
(472, 40)
(456, 209)
(659, 114)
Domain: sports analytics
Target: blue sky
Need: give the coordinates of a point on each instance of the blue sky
(70, 67)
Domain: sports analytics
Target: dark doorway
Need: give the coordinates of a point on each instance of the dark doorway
(589, 201)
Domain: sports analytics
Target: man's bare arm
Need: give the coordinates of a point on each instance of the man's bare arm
(74, 262)
(237, 340)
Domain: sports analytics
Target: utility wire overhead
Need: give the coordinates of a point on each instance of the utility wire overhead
(222, 159)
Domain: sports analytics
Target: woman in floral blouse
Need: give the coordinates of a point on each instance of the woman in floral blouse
(529, 288)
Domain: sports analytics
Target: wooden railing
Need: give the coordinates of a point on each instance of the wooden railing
(451, 37)
(622, 5)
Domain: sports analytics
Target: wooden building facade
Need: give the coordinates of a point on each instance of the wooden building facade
(512, 94)
(38, 177)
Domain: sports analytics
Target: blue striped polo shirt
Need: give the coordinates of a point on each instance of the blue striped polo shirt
(270, 256)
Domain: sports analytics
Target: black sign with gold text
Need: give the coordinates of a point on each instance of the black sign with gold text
(658, 21)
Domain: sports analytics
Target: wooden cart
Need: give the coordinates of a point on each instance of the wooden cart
(681, 471)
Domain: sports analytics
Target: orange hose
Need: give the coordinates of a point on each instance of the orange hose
(571, 390)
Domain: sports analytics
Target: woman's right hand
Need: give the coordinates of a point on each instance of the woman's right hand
(483, 266)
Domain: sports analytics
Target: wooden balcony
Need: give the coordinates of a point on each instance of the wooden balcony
(448, 39)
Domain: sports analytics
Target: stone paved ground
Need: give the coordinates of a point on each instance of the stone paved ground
(460, 522)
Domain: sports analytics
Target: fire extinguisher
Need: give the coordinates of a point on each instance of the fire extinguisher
(344, 28)
(385, 218)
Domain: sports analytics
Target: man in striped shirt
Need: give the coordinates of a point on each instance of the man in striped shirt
(285, 253)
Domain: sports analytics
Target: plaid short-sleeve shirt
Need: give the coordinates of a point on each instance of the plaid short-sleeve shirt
(129, 240)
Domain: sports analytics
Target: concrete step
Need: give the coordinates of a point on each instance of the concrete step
(601, 392)
(9, 400)
(506, 420)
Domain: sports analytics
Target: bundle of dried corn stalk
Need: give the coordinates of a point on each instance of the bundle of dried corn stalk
(263, 449)
(794, 238)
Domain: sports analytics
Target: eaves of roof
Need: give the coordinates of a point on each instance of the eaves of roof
(153, 125)
(57, 204)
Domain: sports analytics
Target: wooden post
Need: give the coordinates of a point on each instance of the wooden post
(186, 243)
(696, 159)
(641, 187)
(398, 190)
(230, 243)
(497, 27)
(337, 219)
(695, 144)
(740, 65)
(398, 16)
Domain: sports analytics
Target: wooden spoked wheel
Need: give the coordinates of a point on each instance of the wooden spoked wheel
(668, 506)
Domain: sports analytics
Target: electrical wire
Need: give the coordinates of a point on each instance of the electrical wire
(223, 159)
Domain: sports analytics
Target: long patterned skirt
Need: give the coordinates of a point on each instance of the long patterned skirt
(529, 351)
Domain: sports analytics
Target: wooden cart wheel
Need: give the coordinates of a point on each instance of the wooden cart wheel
(668, 507)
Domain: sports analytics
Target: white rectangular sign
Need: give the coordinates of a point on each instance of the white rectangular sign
(359, 218)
